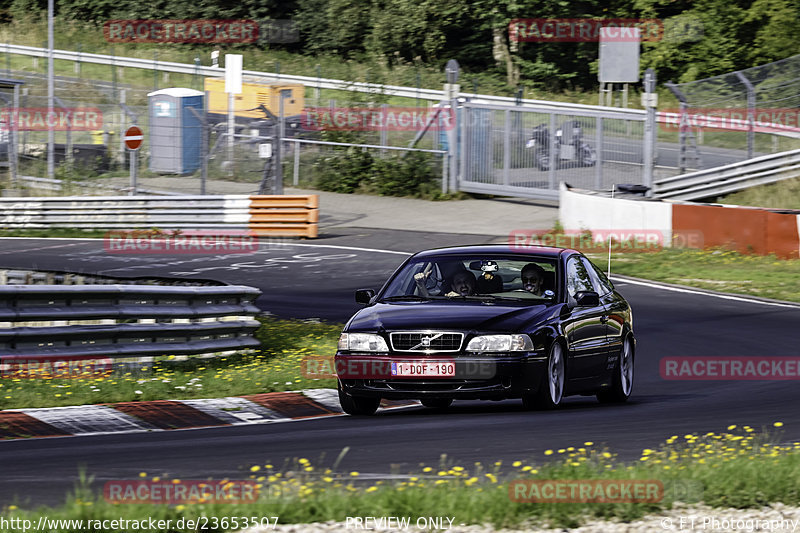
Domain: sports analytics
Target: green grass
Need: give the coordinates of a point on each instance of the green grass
(739, 468)
(720, 270)
(276, 368)
(781, 195)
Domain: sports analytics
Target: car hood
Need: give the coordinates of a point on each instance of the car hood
(435, 315)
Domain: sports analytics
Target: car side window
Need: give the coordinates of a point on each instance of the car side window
(601, 284)
(577, 277)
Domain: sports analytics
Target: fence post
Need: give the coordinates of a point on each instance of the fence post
(155, 70)
(384, 134)
(649, 128)
(751, 108)
(506, 147)
(122, 127)
(318, 89)
(683, 125)
(598, 166)
(551, 173)
(296, 170)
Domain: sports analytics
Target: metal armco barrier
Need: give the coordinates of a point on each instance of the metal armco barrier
(86, 321)
(729, 178)
(260, 215)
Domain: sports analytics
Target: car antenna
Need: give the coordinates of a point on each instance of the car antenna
(610, 236)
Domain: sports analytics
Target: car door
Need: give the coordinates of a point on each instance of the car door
(616, 312)
(585, 327)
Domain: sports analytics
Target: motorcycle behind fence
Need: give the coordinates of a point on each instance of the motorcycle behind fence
(569, 148)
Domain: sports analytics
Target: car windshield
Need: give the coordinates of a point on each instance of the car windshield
(484, 277)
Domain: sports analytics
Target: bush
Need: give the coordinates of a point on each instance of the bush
(402, 175)
(351, 170)
(343, 171)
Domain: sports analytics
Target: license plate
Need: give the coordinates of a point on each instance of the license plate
(439, 370)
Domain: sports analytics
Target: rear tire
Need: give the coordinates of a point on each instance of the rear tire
(588, 158)
(551, 390)
(358, 405)
(437, 403)
(622, 382)
(542, 160)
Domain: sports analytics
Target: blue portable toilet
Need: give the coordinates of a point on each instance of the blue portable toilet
(176, 132)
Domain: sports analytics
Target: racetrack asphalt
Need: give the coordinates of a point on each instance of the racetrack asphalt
(316, 279)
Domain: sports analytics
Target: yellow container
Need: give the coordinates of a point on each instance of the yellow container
(255, 91)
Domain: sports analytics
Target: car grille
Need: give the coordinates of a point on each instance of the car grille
(426, 341)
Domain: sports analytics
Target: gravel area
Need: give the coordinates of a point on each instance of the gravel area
(775, 518)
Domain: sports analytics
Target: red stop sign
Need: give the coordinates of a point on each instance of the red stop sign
(133, 138)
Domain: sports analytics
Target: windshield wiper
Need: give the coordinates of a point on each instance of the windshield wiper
(485, 297)
(401, 297)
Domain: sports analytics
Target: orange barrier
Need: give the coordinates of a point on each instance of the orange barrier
(285, 216)
(745, 229)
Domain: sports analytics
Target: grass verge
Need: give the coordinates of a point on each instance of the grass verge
(715, 269)
(781, 195)
(276, 368)
(738, 468)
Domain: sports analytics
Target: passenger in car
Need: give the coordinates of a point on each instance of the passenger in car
(533, 278)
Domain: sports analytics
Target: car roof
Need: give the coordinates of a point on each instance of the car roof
(505, 249)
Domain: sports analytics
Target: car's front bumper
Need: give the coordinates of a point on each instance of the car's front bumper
(476, 377)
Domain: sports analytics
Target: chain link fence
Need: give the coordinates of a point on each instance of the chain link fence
(737, 116)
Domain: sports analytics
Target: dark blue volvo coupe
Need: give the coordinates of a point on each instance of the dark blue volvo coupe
(488, 322)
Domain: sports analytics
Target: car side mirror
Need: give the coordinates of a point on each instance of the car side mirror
(363, 296)
(587, 299)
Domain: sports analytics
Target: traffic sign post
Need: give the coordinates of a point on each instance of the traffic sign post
(133, 141)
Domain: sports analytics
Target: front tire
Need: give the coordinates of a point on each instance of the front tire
(551, 390)
(358, 405)
(622, 382)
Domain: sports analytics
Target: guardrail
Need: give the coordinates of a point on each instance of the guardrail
(274, 215)
(729, 178)
(101, 321)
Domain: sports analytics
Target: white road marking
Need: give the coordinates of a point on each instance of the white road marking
(703, 293)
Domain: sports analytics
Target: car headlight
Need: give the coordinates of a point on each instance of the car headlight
(362, 342)
(500, 343)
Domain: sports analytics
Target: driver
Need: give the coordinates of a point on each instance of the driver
(463, 283)
(533, 278)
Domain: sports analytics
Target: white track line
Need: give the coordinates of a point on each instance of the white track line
(378, 250)
(703, 293)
